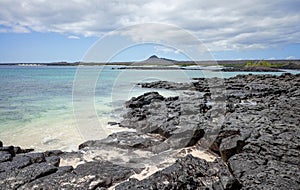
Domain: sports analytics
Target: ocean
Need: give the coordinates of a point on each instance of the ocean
(48, 107)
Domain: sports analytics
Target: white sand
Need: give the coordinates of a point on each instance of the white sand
(151, 169)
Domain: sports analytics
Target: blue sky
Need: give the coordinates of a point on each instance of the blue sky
(42, 47)
(40, 31)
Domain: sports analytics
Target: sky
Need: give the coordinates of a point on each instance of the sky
(52, 31)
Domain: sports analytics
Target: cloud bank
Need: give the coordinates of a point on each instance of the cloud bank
(221, 25)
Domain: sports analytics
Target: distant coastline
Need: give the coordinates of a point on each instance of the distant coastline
(159, 63)
(282, 64)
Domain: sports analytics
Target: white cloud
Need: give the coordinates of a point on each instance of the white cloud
(164, 49)
(73, 37)
(221, 25)
(291, 57)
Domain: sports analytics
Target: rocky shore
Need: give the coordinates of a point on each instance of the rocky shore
(236, 133)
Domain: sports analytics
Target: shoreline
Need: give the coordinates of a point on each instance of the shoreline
(251, 122)
(214, 68)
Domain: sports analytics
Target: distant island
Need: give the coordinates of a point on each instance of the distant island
(155, 61)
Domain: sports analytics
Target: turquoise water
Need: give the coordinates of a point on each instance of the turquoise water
(37, 103)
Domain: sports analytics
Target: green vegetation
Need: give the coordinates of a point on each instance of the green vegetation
(265, 64)
(279, 64)
(233, 64)
(186, 64)
(258, 64)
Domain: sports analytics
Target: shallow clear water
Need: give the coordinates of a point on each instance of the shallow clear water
(37, 103)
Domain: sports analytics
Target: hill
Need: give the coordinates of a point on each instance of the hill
(154, 60)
